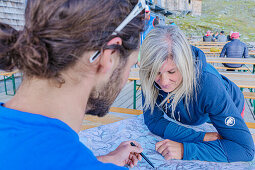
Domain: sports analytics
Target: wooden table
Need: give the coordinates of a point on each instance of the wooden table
(104, 139)
(238, 76)
(209, 47)
(209, 43)
(232, 61)
(218, 53)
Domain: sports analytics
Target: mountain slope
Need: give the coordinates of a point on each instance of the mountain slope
(217, 15)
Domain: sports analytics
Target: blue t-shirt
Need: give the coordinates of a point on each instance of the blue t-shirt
(32, 141)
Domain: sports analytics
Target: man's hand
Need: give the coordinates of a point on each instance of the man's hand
(211, 136)
(124, 154)
(170, 149)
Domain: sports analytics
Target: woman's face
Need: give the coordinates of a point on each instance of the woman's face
(169, 77)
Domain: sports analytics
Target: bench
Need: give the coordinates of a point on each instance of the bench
(238, 76)
(209, 44)
(209, 52)
(217, 53)
(245, 61)
(9, 76)
(249, 95)
(239, 69)
(209, 47)
(126, 111)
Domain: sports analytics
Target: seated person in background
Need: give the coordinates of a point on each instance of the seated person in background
(178, 83)
(208, 37)
(222, 37)
(215, 36)
(234, 49)
(63, 82)
(229, 36)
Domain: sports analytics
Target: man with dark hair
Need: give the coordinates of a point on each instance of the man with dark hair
(234, 49)
(222, 37)
(75, 62)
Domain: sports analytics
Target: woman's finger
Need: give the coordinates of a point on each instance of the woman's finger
(168, 156)
(161, 148)
(165, 152)
(158, 144)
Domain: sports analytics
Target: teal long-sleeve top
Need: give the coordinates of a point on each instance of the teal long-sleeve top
(218, 100)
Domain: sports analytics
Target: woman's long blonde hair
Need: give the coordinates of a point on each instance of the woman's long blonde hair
(161, 43)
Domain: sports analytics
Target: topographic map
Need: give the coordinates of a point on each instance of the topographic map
(104, 139)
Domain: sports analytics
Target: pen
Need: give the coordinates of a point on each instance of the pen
(132, 144)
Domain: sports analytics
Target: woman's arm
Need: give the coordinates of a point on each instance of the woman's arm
(237, 143)
(160, 126)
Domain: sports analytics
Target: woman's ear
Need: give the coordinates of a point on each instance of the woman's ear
(106, 60)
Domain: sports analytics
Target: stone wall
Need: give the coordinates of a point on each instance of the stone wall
(197, 7)
(12, 13)
(194, 6)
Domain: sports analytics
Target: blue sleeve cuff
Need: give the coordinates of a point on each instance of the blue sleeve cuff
(179, 133)
(188, 151)
(201, 137)
(205, 151)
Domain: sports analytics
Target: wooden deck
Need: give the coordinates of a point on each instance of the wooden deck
(125, 98)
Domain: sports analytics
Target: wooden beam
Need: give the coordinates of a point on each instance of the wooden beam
(250, 125)
(126, 111)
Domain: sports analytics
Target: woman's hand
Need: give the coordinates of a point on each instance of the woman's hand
(211, 136)
(124, 154)
(170, 149)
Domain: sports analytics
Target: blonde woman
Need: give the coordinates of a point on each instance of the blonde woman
(178, 83)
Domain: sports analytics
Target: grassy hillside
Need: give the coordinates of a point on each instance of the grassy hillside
(217, 15)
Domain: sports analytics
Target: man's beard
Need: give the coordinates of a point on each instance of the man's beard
(101, 100)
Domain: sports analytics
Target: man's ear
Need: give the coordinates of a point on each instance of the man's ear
(106, 60)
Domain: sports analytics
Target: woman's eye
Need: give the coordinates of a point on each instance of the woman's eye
(171, 72)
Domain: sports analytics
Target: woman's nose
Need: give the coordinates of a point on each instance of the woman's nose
(164, 80)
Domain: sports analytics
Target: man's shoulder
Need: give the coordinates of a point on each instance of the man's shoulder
(51, 150)
(243, 43)
(228, 44)
(237, 43)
